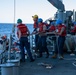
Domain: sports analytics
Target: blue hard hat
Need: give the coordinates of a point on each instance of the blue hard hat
(58, 22)
(74, 23)
(52, 23)
(40, 20)
(19, 21)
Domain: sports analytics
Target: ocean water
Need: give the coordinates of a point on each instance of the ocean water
(6, 28)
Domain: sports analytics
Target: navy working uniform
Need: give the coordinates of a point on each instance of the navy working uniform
(61, 33)
(42, 45)
(35, 26)
(23, 33)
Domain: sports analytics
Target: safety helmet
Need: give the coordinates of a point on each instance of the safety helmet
(35, 16)
(58, 22)
(19, 21)
(74, 23)
(48, 22)
(40, 20)
(52, 23)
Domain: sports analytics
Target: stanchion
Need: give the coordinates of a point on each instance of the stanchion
(7, 69)
(16, 67)
(17, 55)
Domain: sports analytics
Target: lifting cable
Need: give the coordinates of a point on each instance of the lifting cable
(13, 29)
(13, 33)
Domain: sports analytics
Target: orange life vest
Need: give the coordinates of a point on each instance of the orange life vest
(52, 28)
(59, 29)
(74, 29)
(35, 25)
(41, 27)
(23, 29)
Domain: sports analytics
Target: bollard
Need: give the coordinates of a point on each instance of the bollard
(16, 67)
(7, 69)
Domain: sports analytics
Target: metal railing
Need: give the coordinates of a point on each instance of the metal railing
(3, 53)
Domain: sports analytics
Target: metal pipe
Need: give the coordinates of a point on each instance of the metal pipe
(13, 29)
(14, 10)
(9, 51)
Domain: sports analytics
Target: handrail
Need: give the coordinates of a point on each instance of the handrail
(3, 53)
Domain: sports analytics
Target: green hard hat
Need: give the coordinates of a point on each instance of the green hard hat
(19, 21)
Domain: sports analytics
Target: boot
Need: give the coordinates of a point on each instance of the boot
(61, 57)
(47, 56)
(40, 55)
(47, 52)
(32, 60)
(54, 56)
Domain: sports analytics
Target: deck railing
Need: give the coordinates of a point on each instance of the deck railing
(3, 52)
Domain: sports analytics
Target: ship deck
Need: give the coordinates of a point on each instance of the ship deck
(59, 67)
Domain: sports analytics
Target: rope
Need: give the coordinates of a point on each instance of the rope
(13, 33)
(74, 64)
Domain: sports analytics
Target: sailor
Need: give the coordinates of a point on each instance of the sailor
(73, 28)
(52, 27)
(48, 22)
(23, 33)
(51, 33)
(75, 32)
(42, 38)
(61, 32)
(35, 26)
(73, 37)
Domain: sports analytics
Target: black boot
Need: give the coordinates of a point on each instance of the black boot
(47, 56)
(40, 55)
(32, 60)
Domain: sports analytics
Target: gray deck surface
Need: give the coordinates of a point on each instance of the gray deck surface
(60, 67)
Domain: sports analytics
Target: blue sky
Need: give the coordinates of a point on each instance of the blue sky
(26, 8)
